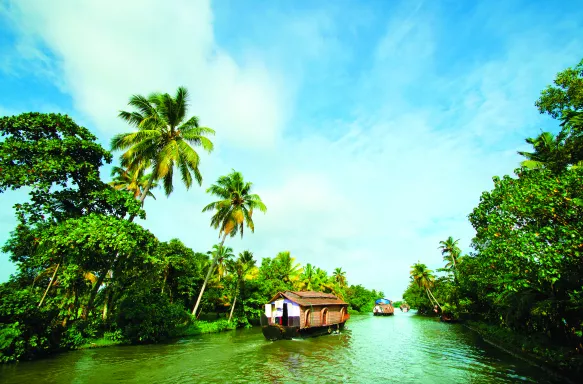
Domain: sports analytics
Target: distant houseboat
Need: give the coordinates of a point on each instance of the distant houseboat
(383, 307)
(303, 314)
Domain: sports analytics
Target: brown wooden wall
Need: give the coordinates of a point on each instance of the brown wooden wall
(334, 315)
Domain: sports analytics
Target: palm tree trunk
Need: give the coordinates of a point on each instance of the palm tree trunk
(208, 275)
(92, 296)
(233, 307)
(49, 286)
(429, 297)
(144, 194)
(436, 302)
(164, 282)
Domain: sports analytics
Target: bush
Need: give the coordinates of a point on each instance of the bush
(25, 330)
(146, 317)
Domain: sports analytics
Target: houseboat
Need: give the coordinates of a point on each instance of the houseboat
(383, 307)
(302, 314)
(405, 307)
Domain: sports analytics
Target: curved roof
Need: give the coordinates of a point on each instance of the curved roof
(383, 301)
(307, 298)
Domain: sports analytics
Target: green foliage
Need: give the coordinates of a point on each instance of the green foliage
(565, 95)
(202, 327)
(42, 150)
(235, 208)
(25, 330)
(535, 224)
(361, 299)
(145, 317)
(165, 138)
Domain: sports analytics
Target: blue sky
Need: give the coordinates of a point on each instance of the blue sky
(370, 128)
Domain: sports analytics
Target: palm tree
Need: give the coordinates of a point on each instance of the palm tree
(289, 270)
(232, 212)
(340, 277)
(222, 256)
(450, 252)
(424, 279)
(134, 181)
(307, 278)
(164, 138)
(548, 153)
(240, 268)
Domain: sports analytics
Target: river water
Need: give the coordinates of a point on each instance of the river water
(404, 348)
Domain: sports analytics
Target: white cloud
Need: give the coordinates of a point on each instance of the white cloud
(149, 45)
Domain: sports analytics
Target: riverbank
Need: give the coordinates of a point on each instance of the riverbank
(196, 328)
(540, 352)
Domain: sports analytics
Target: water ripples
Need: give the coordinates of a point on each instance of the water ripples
(403, 348)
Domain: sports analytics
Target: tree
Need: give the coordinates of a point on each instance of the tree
(424, 279)
(549, 152)
(528, 247)
(164, 138)
(60, 162)
(135, 181)
(232, 212)
(450, 251)
(340, 277)
(308, 277)
(289, 270)
(222, 256)
(565, 95)
(240, 268)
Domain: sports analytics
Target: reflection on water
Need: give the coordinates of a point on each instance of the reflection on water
(404, 348)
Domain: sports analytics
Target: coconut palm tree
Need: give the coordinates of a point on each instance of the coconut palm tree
(134, 181)
(164, 139)
(232, 212)
(549, 152)
(424, 279)
(240, 268)
(450, 252)
(288, 268)
(339, 277)
(222, 257)
(308, 278)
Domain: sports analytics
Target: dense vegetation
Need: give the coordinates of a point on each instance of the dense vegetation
(88, 274)
(525, 273)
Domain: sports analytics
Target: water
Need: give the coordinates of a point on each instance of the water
(404, 348)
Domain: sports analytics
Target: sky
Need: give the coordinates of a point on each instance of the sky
(369, 128)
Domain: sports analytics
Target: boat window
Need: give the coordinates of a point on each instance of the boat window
(342, 314)
(325, 316)
(308, 315)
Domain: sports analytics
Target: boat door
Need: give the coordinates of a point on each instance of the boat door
(284, 319)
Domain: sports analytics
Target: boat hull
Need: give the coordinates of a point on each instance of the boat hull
(280, 332)
(383, 314)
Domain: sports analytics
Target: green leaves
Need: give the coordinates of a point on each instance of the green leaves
(163, 140)
(235, 209)
(41, 150)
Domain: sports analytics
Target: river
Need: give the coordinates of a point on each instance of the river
(404, 348)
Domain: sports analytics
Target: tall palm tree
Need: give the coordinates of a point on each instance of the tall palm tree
(240, 268)
(424, 279)
(134, 181)
(339, 277)
(450, 252)
(164, 139)
(232, 212)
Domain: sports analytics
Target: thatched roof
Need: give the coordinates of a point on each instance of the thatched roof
(307, 298)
